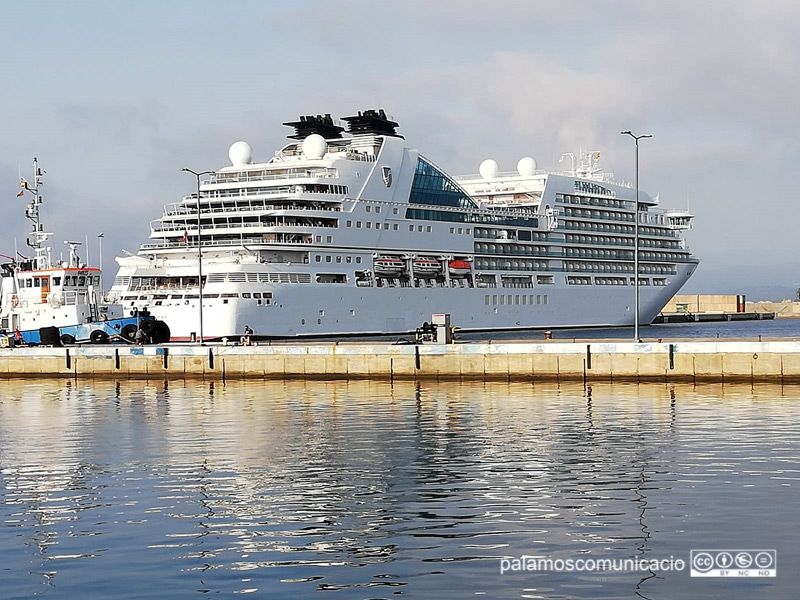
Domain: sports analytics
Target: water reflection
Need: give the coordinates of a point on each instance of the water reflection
(141, 490)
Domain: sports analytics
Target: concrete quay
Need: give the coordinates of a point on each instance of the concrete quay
(591, 360)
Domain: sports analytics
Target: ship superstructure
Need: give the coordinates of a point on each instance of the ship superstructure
(348, 230)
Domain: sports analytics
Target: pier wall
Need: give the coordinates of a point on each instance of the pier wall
(774, 361)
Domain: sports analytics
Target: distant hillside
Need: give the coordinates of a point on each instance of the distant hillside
(774, 283)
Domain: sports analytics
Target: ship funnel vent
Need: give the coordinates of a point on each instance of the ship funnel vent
(372, 122)
(323, 125)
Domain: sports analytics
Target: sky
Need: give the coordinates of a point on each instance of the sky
(115, 98)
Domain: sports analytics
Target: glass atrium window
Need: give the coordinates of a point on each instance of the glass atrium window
(431, 186)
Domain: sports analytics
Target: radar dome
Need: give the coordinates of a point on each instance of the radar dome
(526, 166)
(314, 146)
(488, 168)
(240, 154)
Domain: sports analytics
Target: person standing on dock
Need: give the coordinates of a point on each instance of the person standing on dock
(245, 339)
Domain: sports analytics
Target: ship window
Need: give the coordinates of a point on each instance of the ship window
(395, 226)
(369, 224)
(431, 186)
(56, 280)
(460, 231)
(419, 227)
(395, 211)
(327, 259)
(428, 229)
(348, 259)
(386, 226)
(317, 258)
(349, 223)
(358, 224)
(255, 294)
(468, 230)
(338, 259)
(81, 281)
(411, 228)
(452, 229)
(377, 209)
(37, 282)
(358, 259)
(369, 208)
(329, 239)
(486, 300)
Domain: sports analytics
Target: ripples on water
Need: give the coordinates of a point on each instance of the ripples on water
(367, 490)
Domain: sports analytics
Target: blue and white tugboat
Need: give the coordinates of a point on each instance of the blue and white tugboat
(42, 302)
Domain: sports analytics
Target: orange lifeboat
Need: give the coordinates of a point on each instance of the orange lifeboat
(459, 268)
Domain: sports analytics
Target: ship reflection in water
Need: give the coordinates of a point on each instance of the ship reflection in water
(285, 490)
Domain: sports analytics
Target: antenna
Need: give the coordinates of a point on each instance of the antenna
(38, 235)
(74, 259)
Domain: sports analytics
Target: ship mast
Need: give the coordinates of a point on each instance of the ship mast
(38, 236)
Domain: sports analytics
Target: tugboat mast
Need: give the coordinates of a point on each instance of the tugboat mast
(38, 236)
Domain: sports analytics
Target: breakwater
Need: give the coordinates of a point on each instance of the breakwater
(713, 360)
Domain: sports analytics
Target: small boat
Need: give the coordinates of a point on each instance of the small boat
(426, 266)
(389, 266)
(42, 302)
(459, 268)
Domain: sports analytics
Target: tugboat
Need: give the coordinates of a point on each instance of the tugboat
(61, 303)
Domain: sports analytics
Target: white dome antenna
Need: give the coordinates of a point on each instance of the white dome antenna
(526, 166)
(240, 154)
(314, 146)
(488, 168)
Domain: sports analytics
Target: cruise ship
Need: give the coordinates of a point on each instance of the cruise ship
(346, 229)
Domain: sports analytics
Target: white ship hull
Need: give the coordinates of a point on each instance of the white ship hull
(329, 310)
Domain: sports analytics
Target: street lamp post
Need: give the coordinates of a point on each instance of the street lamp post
(199, 249)
(636, 138)
(100, 237)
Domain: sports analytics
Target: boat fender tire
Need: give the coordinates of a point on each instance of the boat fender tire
(98, 336)
(67, 339)
(147, 325)
(128, 332)
(161, 333)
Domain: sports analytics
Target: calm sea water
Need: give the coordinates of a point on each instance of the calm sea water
(366, 490)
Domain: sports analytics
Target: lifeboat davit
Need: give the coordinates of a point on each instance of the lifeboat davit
(426, 266)
(459, 268)
(389, 266)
